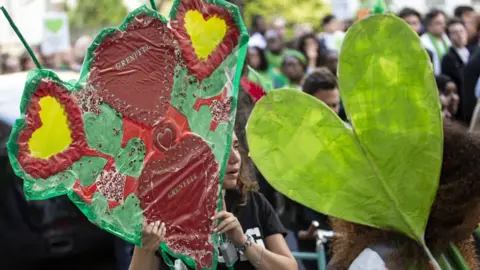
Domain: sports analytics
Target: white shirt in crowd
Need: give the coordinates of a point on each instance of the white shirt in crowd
(333, 41)
(437, 62)
(368, 260)
(463, 53)
(257, 40)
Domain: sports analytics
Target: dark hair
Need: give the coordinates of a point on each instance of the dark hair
(327, 19)
(245, 183)
(3, 62)
(442, 81)
(320, 79)
(284, 61)
(432, 15)
(406, 12)
(301, 44)
(24, 58)
(454, 21)
(454, 216)
(255, 19)
(263, 58)
(461, 10)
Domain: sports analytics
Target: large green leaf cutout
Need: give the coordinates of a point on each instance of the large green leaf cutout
(382, 172)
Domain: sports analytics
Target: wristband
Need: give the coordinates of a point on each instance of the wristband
(247, 244)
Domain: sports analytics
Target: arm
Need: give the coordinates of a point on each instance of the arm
(144, 260)
(275, 256)
(144, 257)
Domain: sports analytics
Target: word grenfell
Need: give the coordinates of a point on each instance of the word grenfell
(180, 186)
(144, 49)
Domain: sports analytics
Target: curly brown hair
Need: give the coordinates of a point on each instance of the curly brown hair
(454, 216)
(244, 182)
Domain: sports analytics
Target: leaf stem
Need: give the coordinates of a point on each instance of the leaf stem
(432, 261)
(154, 6)
(20, 36)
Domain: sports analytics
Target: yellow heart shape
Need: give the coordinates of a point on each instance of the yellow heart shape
(205, 35)
(54, 135)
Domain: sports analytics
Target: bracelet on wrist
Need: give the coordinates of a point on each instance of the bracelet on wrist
(247, 244)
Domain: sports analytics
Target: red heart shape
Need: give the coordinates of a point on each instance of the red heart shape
(44, 168)
(198, 68)
(182, 190)
(164, 136)
(133, 64)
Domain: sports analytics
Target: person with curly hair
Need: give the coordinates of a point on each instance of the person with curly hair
(454, 216)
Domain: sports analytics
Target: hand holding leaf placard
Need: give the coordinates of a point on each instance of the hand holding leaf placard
(384, 170)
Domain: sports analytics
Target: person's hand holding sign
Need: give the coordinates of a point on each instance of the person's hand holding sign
(230, 226)
(153, 235)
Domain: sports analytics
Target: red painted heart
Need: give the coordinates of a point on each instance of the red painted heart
(182, 191)
(58, 162)
(133, 70)
(165, 136)
(204, 68)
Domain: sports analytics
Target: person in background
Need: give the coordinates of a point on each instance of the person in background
(275, 53)
(413, 18)
(471, 75)
(299, 30)
(294, 65)
(448, 96)
(331, 61)
(258, 61)
(333, 34)
(468, 16)
(347, 24)
(80, 49)
(454, 216)
(279, 24)
(10, 64)
(259, 27)
(322, 84)
(248, 221)
(309, 46)
(26, 62)
(435, 38)
(457, 56)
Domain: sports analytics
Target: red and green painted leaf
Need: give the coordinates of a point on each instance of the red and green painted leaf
(145, 132)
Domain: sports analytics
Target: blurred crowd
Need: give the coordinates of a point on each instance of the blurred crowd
(65, 61)
(451, 43)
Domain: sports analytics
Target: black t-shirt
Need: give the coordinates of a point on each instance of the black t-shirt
(258, 220)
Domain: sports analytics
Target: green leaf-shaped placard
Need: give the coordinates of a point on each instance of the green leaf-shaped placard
(384, 171)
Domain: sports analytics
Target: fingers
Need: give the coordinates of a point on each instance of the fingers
(224, 204)
(224, 223)
(220, 215)
(157, 227)
(229, 227)
(153, 235)
(148, 229)
(161, 234)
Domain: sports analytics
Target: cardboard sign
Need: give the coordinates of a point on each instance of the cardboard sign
(56, 33)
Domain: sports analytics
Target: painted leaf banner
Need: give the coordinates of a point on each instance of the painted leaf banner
(384, 170)
(145, 132)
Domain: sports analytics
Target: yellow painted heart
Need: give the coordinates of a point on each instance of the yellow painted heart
(204, 34)
(54, 135)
